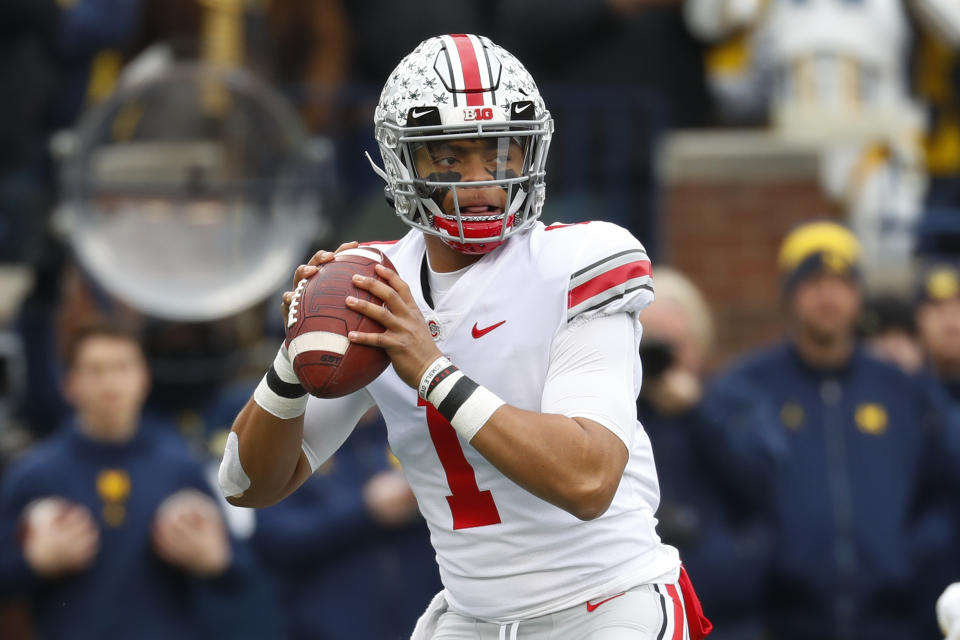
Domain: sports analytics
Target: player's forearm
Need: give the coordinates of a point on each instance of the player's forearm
(269, 455)
(572, 463)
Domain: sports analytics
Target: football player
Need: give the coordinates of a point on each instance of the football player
(948, 612)
(510, 401)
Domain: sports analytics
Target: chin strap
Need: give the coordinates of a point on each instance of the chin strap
(376, 169)
(387, 189)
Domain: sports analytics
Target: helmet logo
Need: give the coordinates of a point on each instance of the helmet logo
(485, 113)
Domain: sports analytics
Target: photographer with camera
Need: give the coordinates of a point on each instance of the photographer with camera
(703, 511)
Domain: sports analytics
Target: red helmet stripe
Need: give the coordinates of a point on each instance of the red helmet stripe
(472, 83)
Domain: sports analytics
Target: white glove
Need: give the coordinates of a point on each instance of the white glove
(948, 612)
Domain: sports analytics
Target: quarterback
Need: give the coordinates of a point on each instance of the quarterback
(510, 401)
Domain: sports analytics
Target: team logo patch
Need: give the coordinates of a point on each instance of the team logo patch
(836, 264)
(871, 418)
(434, 328)
(792, 415)
(113, 487)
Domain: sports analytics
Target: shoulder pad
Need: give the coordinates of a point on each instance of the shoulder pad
(609, 270)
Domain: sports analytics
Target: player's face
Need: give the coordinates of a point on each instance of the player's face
(939, 327)
(471, 160)
(826, 306)
(107, 385)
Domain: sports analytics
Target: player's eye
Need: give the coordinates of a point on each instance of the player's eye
(445, 161)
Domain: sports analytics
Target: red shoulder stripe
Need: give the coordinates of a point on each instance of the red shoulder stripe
(562, 226)
(607, 280)
(367, 244)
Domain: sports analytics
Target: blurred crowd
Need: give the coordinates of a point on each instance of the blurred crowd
(166, 163)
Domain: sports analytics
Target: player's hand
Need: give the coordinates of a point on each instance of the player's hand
(389, 499)
(60, 538)
(948, 612)
(188, 532)
(406, 340)
(307, 270)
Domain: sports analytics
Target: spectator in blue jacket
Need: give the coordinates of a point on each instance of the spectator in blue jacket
(938, 321)
(107, 529)
(703, 512)
(867, 449)
(349, 549)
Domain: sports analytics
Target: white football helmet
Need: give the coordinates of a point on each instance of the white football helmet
(460, 124)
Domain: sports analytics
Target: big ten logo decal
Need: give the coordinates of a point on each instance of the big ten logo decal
(485, 113)
(113, 487)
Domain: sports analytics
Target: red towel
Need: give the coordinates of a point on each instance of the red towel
(698, 624)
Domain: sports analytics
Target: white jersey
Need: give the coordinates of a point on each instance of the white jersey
(503, 553)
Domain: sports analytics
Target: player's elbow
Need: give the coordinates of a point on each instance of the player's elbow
(592, 497)
(250, 502)
(241, 501)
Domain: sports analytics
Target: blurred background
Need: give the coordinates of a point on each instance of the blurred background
(167, 163)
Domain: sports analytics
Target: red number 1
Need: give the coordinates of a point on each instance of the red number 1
(470, 506)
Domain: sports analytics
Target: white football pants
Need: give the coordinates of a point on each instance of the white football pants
(647, 612)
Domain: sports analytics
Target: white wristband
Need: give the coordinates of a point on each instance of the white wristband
(475, 412)
(279, 392)
(426, 380)
(464, 403)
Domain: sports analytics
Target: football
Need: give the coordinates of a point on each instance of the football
(318, 322)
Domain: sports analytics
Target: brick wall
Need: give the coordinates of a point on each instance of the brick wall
(723, 228)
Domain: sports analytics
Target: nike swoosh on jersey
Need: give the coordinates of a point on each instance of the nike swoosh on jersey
(479, 333)
(592, 607)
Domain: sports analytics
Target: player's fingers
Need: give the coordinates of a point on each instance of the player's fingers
(382, 290)
(320, 257)
(374, 311)
(303, 271)
(394, 280)
(353, 244)
(381, 340)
